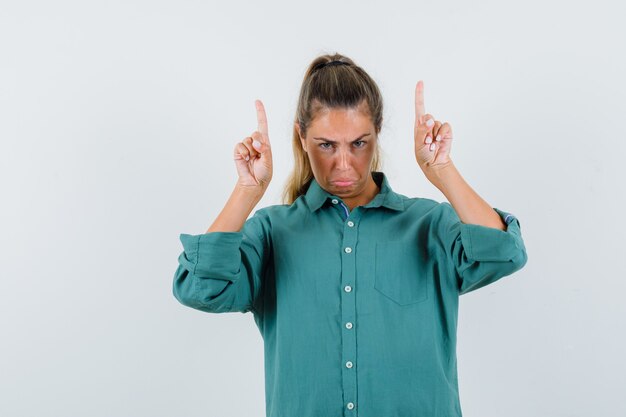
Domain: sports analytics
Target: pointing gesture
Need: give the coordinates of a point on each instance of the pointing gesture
(430, 152)
(253, 155)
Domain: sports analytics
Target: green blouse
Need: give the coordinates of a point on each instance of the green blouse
(357, 309)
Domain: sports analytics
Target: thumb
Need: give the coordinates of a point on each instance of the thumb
(262, 147)
(423, 129)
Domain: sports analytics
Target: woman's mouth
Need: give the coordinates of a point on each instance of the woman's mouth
(343, 183)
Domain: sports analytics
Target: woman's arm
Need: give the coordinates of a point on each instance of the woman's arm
(469, 206)
(221, 270)
(237, 209)
(433, 142)
(253, 159)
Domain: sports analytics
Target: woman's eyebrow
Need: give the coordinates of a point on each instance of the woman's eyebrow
(332, 141)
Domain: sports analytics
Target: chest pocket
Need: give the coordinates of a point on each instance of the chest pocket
(396, 273)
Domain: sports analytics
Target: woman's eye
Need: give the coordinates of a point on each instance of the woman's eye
(359, 143)
(323, 145)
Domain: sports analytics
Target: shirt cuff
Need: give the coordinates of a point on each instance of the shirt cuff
(482, 243)
(213, 252)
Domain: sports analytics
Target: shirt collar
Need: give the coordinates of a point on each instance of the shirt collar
(316, 196)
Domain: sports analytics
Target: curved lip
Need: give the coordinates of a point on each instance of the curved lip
(343, 180)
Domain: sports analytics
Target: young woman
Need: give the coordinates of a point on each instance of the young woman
(354, 287)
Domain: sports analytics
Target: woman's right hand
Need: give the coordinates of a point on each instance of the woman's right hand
(253, 155)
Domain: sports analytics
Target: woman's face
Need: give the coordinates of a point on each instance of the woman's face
(340, 144)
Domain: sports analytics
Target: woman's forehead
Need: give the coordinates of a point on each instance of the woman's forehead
(341, 124)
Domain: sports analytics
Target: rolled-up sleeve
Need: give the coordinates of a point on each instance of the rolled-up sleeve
(480, 255)
(223, 271)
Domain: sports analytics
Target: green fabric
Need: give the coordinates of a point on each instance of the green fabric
(368, 332)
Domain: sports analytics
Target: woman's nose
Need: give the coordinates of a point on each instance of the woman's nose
(343, 159)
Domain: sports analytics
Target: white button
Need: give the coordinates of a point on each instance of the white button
(348, 325)
(348, 364)
(350, 406)
(348, 249)
(334, 201)
(347, 288)
(350, 223)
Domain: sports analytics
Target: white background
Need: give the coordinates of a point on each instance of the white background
(117, 124)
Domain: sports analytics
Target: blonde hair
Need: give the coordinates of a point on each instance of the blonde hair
(327, 87)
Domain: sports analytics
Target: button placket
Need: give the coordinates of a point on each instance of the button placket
(348, 304)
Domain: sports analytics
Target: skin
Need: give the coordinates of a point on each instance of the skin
(433, 157)
(340, 144)
(341, 156)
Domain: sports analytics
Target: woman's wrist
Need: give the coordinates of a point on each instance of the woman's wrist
(439, 175)
(250, 191)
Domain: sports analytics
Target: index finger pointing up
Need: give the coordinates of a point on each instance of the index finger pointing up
(419, 103)
(261, 118)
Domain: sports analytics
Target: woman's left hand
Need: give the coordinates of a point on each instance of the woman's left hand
(433, 139)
